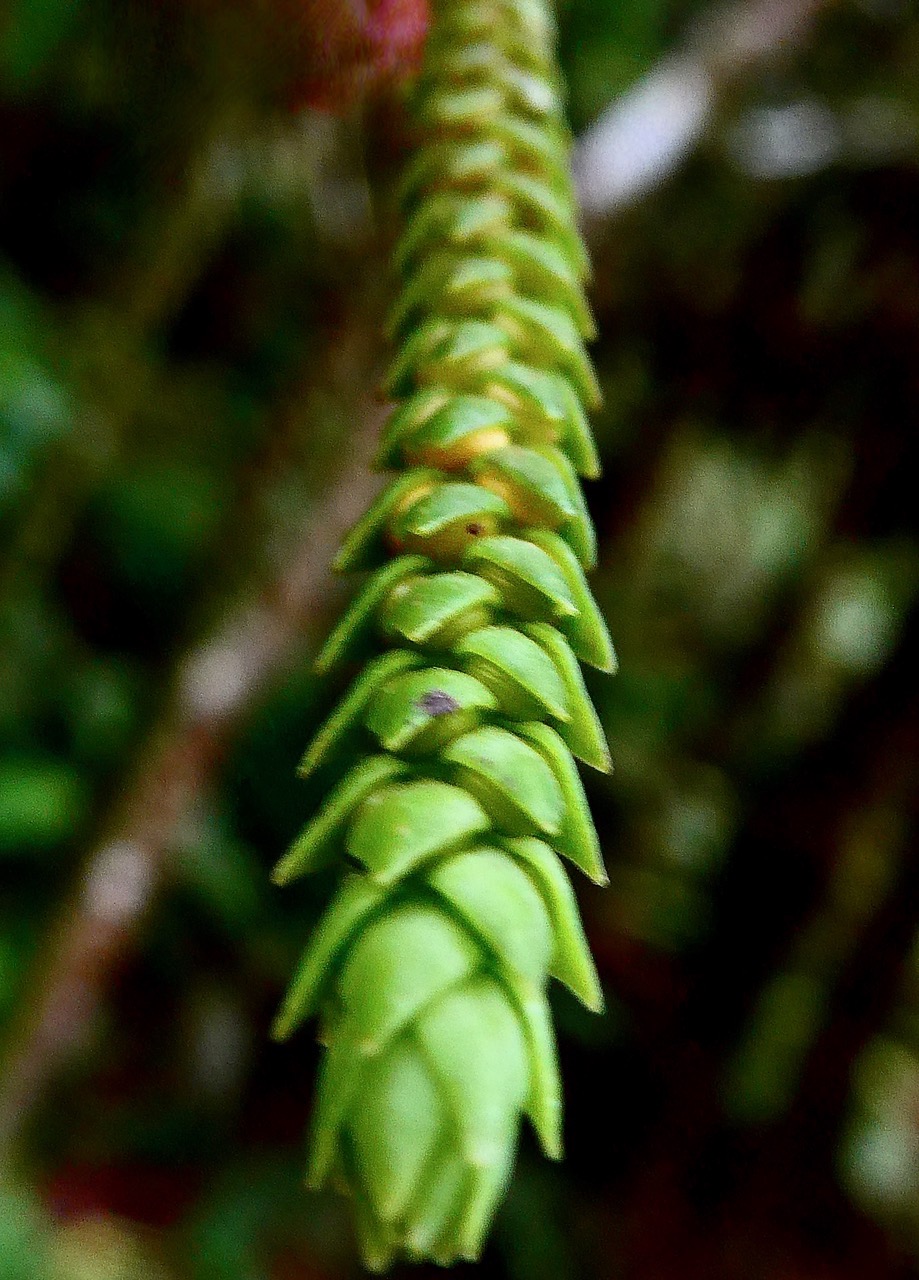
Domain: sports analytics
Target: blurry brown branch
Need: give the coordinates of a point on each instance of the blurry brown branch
(217, 682)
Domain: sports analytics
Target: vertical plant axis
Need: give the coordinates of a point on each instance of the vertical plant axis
(449, 765)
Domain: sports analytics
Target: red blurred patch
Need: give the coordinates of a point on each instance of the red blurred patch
(154, 1197)
(348, 48)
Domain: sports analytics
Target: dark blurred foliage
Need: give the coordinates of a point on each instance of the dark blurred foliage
(192, 279)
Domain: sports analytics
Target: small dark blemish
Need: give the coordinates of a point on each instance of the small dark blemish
(474, 528)
(438, 703)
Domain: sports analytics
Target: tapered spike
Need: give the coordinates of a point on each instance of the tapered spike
(530, 483)
(477, 1049)
(544, 1102)
(356, 901)
(316, 843)
(460, 431)
(582, 731)
(500, 905)
(530, 581)
(339, 1079)
(520, 673)
(444, 522)
(420, 710)
(339, 728)
(365, 546)
(543, 269)
(401, 960)
(439, 608)
(577, 838)
(512, 780)
(356, 627)
(460, 793)
(402, 826)
(586, 629)
(571, 960)
(395, 1129)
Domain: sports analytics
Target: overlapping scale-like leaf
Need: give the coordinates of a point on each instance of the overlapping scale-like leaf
(448, 767)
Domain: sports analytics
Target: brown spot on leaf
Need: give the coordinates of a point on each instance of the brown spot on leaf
(438, 703)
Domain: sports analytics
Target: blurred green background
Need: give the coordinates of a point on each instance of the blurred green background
(192, 280)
